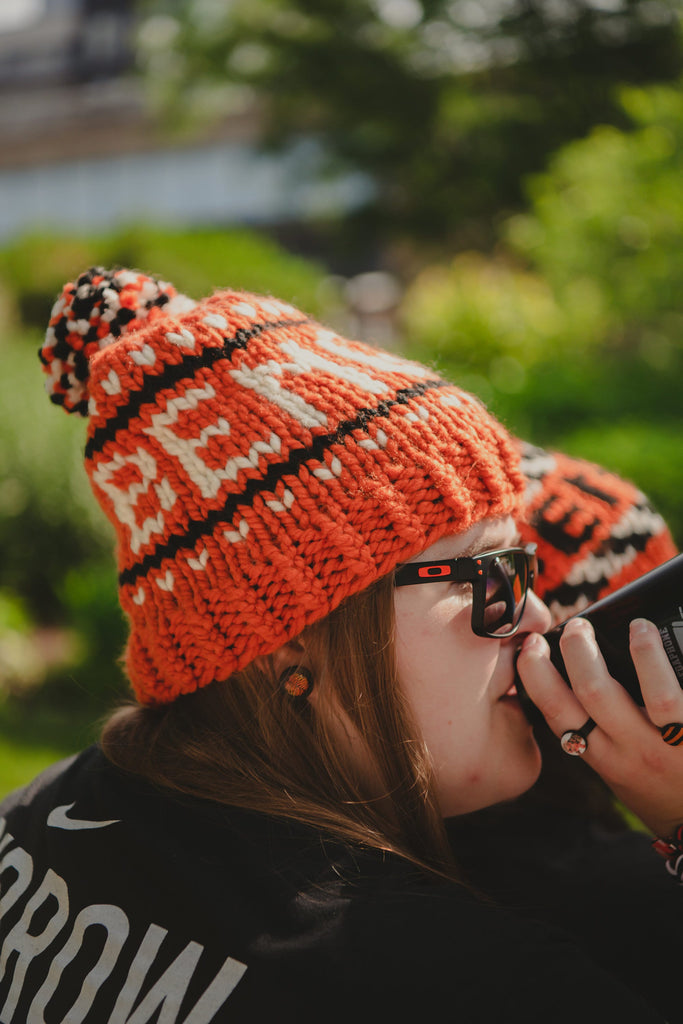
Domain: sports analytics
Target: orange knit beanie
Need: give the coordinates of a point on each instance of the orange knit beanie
(257, 467)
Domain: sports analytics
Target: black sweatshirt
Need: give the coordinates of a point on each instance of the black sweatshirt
(122, 904)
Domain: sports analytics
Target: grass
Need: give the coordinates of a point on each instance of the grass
(34, 734)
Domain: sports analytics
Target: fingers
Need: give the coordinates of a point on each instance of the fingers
(659, 684)
(602, 696)
(594, 692)
(559, 705)
(594, 696)
(627, 746)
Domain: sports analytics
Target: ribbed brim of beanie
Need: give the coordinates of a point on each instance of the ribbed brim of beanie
(258, 468)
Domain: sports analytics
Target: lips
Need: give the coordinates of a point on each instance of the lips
(511, 694)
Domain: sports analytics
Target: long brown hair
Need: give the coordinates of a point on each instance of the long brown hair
(242, 742)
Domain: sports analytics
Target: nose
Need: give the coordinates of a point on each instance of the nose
(536, 617)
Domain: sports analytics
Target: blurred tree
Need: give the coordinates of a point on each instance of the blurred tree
(446, 104)
(608, 216)
(581, 346)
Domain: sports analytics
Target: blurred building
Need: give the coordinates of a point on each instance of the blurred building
(79, 151)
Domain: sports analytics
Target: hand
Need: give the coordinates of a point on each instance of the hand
(625, 747)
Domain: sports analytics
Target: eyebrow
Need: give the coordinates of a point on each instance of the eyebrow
(475, 548)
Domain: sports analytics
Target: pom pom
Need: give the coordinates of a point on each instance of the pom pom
(90, 314)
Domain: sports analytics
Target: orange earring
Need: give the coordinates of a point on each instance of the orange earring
(297, 683)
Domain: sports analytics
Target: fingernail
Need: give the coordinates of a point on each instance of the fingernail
(640, 626)
(534, 642)
(578, 625)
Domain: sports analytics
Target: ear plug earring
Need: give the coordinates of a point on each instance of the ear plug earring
(297, 683)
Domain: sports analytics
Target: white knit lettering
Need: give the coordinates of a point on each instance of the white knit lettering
(305, 360)
(124, 499)
(377, 360)
(183, 339)
(208, 479)
(262, 381)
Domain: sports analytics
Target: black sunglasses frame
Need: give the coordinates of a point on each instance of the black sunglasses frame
(474, 570)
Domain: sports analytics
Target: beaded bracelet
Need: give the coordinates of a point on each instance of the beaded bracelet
(672, 851)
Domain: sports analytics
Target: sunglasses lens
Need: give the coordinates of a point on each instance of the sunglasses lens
(506, 588)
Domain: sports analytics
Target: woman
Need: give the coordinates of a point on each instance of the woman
(326, 556)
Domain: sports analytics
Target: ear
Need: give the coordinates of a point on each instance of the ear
(287, 656)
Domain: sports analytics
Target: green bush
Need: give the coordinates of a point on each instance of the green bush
(609, 211)
(34, 268)
(579, 346)
(48, 517)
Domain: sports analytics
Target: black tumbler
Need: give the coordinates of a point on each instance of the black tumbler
(657, 596)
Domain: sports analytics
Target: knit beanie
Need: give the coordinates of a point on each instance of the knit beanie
(257, 467)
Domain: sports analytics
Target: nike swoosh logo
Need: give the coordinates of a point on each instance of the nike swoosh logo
(59, 818)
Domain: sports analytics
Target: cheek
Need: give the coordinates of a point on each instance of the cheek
(441, 643)
(422, 625)
(445, 672)
(424, 646)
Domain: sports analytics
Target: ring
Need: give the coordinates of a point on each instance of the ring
(672, 733)
(575, 741)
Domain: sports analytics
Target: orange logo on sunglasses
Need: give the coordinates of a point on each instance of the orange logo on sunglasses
(435, 570)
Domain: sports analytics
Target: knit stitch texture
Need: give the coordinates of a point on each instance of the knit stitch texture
(257, 467)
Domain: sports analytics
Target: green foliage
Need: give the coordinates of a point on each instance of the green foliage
(36, 730)
(447, 104)
(34, 268)
(481, 315)
(581, 348)
(61, 630)
(609, 210)
(48, 517)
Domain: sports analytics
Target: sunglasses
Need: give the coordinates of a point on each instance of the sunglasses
(500, 583)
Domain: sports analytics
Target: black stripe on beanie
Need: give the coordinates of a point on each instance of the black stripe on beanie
(555, 532)
(568, 594)
(274, 473)
(174, 373)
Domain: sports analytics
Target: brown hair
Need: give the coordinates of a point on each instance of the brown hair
(244, 743)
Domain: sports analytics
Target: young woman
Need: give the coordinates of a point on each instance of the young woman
(327, 799)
